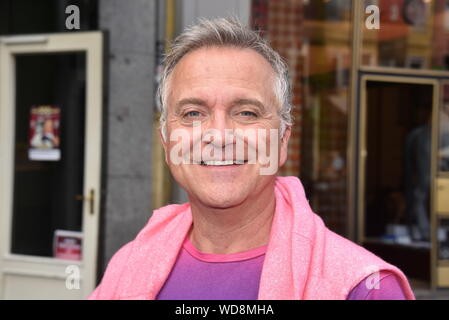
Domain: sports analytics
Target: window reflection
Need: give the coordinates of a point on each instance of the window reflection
(314, 37)
(418, 144)
(413, 34)
(398, 162)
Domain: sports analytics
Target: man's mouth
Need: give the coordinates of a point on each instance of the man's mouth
(223, 163)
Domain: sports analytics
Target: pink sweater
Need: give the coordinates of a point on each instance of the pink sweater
(304, 259)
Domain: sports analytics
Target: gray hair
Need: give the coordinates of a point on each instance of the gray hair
(226, 32)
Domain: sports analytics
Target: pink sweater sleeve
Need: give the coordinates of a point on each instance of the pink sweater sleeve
(106, 289)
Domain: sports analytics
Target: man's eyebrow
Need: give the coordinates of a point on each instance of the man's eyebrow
(195, 101)
(236, 102)
(254, 102)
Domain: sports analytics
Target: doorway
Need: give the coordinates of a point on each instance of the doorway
(50, 164)
(397, 182)
(397, 147)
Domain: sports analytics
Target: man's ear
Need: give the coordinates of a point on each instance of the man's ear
(163, 142)
(283, 151)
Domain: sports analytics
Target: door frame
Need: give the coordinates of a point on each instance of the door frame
(361, 154)
(44, 267)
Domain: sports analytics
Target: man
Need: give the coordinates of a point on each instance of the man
(417, 178)
(245, 233)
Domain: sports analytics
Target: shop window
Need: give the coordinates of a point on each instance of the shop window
(413, 34)
(314, 38)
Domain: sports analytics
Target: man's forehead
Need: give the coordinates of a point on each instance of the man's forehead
(228, 61)
(232, 72)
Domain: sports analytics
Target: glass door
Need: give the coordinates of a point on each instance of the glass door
(397, 123)
(50, 137)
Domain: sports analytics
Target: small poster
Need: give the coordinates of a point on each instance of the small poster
(44, 133)
(67, 245)
(392, 11)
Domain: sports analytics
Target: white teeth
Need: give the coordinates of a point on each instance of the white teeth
(222, 163)
(219, 163)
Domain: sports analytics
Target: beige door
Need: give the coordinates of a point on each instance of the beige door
(50, 164)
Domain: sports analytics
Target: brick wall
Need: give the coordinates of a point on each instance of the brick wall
(281, 23)
(318, 61)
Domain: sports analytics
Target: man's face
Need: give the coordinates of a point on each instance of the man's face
(223, 88)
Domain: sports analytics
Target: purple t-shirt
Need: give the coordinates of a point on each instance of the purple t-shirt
(202, 276)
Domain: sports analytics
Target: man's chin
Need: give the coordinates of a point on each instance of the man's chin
(221, 200)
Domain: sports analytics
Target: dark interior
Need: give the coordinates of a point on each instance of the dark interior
(45, 191)
(394, 113)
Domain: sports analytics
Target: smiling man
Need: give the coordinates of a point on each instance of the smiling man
(245, 233)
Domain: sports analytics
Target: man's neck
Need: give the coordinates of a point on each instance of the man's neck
(241, 228)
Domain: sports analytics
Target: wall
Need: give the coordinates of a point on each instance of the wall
(128, 178)
(191, 10)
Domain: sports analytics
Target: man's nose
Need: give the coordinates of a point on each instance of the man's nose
(221, 122)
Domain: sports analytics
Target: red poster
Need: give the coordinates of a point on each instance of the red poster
(67, 245)
(392, 11)
(44, 133)
(403, 12)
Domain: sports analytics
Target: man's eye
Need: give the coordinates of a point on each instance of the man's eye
(248, 114)
(191, 114)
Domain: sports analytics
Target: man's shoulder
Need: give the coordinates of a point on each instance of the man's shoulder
(342, 264)
(336, 247)
(345, 251)
(165, 224)
(159, 220)
(350, 258)
(356, 262)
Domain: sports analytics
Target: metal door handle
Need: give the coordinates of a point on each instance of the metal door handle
(90, 198)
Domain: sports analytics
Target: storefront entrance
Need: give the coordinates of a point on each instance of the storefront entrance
(402, 174)
(50, 164)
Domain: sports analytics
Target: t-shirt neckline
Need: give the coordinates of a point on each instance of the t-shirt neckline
(217, 258)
